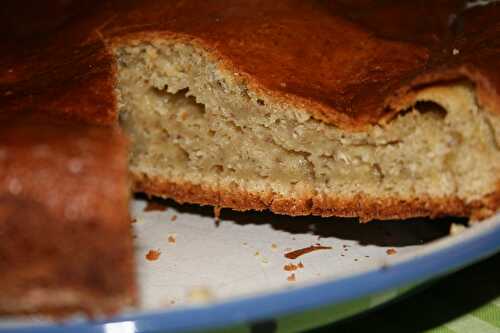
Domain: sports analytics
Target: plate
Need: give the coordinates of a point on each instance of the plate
(210, 274)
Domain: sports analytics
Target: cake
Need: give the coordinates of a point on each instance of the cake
(65, 241)
(368, 109)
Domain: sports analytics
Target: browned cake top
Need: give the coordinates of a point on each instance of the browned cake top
(349, 61)
(63, 201)
(77, 171)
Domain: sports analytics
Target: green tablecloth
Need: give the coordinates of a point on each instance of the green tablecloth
(467, 301)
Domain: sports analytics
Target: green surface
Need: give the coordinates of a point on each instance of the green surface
(466, 302)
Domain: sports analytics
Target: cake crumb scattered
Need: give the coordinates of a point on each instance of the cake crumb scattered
(173, 218)
(152, 206)
(391, 251)
(291, 278)
(172, 238)
(274, 246)
(172, 302)
(133, 220)
(456, 228)
(153, 255)
(456, 51)
(297, 253)
(257, 254)
(290, 267)
(200, 295)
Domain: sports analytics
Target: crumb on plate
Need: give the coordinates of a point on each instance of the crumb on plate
(172, 238)
(297, 253)
(456, 228)
(200, 295)
(391, 251)
(153, 255)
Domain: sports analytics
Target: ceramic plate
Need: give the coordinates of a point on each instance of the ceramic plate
(213, 274)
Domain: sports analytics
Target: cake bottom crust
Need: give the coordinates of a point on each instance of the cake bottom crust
(365, 207)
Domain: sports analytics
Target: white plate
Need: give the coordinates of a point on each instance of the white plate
(235, 272)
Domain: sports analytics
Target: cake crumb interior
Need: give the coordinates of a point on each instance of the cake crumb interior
(190, 120)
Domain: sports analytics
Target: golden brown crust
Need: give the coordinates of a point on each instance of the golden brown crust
(343, 76)
(358, 54)
(363, 206)
(64, 222)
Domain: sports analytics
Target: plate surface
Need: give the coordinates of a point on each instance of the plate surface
(212, 274)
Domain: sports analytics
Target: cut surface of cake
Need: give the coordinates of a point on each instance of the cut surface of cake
(197, 136)
(369, 109)
(310, 108)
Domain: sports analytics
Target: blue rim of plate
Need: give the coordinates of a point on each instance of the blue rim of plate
(418, 269)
